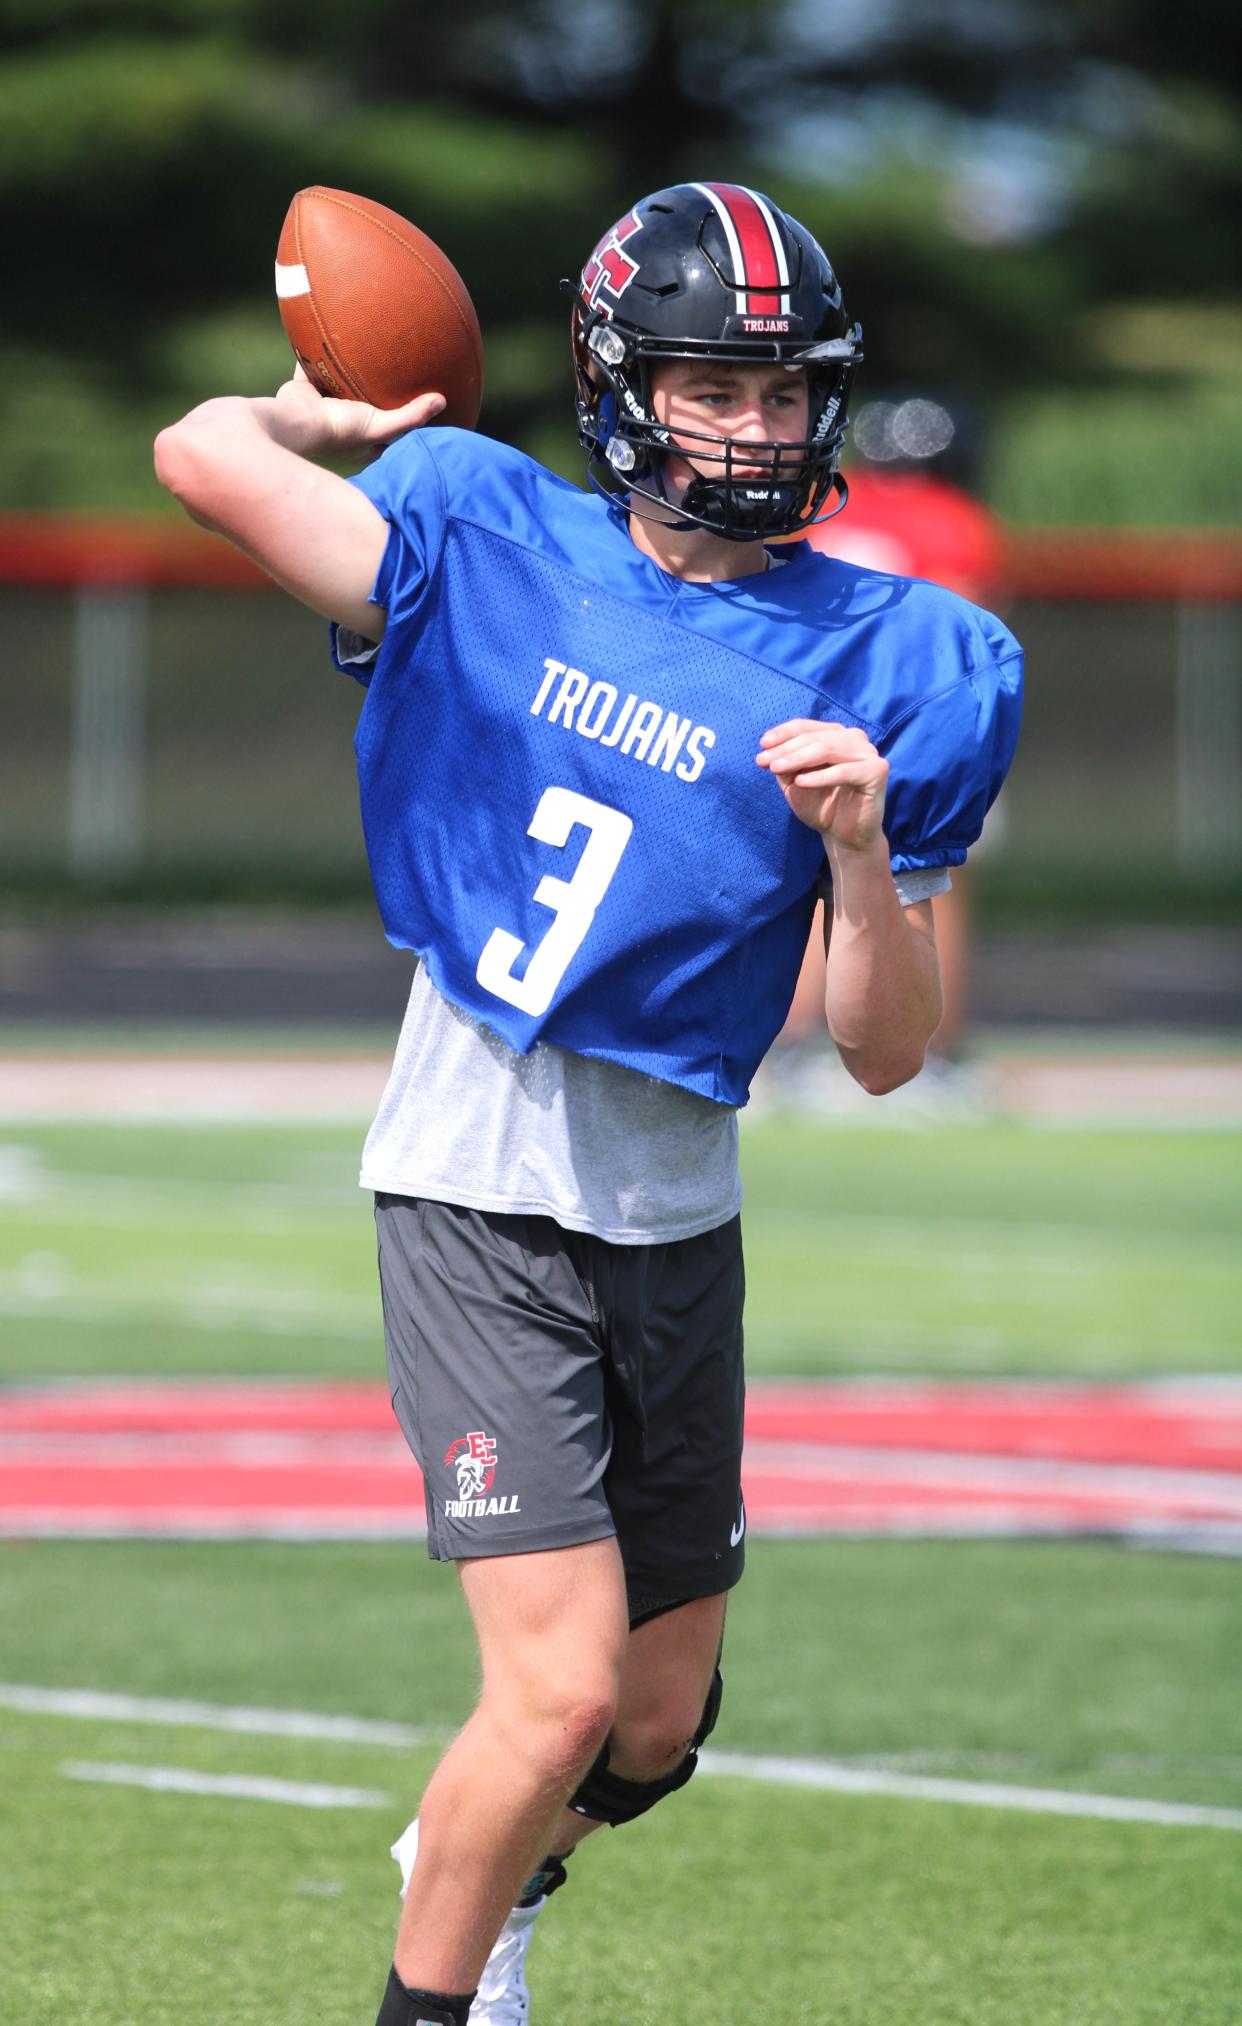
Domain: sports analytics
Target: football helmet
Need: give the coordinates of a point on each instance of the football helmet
(711, 271)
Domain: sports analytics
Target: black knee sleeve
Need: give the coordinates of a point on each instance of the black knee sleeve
(603, 1796)
(405, 2005)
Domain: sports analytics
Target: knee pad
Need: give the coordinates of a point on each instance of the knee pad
(603, 1796)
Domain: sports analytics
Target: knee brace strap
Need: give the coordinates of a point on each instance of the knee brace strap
(603, 1796)
(711, 1710)
(606, 1797)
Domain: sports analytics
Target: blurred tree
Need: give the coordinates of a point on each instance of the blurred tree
(994, 177)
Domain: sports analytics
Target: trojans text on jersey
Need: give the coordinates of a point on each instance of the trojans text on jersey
(635, 726)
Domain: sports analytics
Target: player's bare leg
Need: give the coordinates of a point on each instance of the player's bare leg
(669, 1667)
(552, 1631)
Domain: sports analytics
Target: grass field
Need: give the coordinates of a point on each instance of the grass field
(1071, 1666)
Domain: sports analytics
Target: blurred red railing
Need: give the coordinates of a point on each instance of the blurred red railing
(1099, 564)
(66, 550)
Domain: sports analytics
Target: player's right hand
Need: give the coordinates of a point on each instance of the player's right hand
(329, 427)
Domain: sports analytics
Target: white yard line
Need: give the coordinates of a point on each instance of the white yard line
(823, 1775)
(98, 1707)
(223, 1786)
(837, 1779)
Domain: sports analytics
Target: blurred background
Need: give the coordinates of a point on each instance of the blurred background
(1033, 206)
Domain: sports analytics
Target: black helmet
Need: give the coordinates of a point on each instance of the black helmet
(711, 270)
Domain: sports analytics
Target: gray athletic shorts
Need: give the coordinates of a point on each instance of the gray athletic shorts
(557, 1389)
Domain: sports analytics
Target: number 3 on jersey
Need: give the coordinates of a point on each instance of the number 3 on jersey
(574, 900)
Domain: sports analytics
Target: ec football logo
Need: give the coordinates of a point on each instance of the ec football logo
(474, 1458)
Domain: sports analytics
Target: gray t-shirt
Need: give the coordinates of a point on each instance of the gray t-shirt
(598, 1147)
(595, 1146)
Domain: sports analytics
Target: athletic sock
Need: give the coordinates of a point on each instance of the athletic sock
(550, 1874)
(408, 2005)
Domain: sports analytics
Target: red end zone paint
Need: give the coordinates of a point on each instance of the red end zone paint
(1168, 1425)
(202, 1459)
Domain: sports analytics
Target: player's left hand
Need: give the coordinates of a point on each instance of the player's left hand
(832, 778)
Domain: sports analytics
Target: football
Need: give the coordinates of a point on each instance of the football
(373, 309)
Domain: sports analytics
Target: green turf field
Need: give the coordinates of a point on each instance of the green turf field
(964, 1249)
(972, 1249)
(1063, 1666)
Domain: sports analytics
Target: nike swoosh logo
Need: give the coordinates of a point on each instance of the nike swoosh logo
(737, 1532)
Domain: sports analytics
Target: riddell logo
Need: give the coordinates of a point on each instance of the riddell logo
(473, 1457)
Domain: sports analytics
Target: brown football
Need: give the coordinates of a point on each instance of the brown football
(373, 309)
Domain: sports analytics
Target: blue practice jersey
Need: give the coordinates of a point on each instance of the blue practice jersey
(557, 759)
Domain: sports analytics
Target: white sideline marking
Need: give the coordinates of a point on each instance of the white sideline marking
(826, 1775)
(291, 279)
(226, 1786)
(836, 1779)
(215, 1716)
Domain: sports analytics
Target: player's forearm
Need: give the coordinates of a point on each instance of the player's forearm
(882, 997)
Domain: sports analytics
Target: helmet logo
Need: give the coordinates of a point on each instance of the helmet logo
(609, 266)
(757, 256)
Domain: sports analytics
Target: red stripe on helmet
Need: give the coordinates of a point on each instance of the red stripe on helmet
(760, 270)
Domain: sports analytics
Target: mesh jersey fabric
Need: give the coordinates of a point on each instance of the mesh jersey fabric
(556, 759)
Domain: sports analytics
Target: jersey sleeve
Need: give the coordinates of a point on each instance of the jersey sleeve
(949, 756)
(406, 486)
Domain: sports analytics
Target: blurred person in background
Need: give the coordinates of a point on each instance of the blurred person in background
(913, 472)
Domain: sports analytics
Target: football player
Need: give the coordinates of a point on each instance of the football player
(613, 746)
